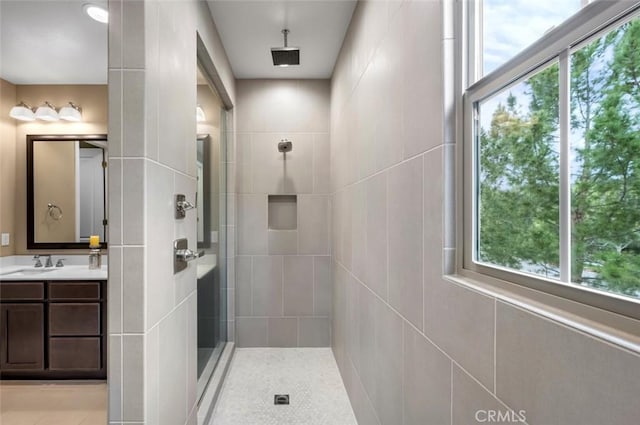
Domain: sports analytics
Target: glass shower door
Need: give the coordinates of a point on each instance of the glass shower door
(212, 237)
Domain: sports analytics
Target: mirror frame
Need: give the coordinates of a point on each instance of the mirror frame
(31, 138)
(206, 199)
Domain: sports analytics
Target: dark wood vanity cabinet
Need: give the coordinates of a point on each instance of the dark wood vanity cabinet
(53, 330)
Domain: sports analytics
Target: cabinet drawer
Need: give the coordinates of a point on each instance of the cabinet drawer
(74, 354)
(74, 319)
(65, 291)
(21, 291)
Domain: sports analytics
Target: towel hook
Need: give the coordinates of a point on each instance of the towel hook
(54, 211)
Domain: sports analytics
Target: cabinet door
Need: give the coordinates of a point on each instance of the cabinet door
(22, 336)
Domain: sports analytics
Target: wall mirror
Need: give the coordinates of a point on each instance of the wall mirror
(203, 197)
(66, 190)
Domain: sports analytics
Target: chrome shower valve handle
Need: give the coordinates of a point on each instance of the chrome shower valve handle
(182, 206)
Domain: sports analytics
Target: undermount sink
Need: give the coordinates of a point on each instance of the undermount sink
(28, 272)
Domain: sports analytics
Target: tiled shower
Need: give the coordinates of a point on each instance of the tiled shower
(373, 174)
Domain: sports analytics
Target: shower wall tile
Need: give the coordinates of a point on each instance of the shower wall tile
(313, 224)
(116, 195)
(133, 291)
(114, 290)
(133, 183)
(173, 355)
(243, 286)
(298, 286)
(388, 337)
(152, 323)
(285, 281)
(133, 104)
(282, 332)
(376, 256)
(469, 398)
(405, 239)
(251, 332)
(427, 381)
(422, 97)
(267, 284)
(133, 377)
(314, 332)
(283, 242)
(115, 39)
(160, 189)
(453, 310)
(252, 224)
(321, 183)
(133, 47)
(358, 230)
(115, 378)
(115, 112)
(322, 290)
(535, 351)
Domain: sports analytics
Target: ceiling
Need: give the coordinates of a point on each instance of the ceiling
(55, 42)
(249, 29)
(51, 42)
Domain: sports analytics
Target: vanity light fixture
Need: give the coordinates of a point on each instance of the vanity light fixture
(97, 13)
(22, 112)
(200, 117)
(46, 112)
(70, 112)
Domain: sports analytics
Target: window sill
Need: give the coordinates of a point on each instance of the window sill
(610, 327)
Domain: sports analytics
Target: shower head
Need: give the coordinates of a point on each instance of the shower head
(285, 56)
(285, 146)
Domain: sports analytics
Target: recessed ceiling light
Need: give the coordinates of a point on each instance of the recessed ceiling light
(97, 13)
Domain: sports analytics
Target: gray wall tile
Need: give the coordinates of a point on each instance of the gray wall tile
(427, 381)
(471, 400)
(243, 286)
(388, 403)
(133, 175)
(322, 286)
(453, 310)
(283, 242)
(282, 332)
(251, 332)
(133, 377)
(133, 281)
(313, 224)
(559, 375)
(298, 286)
(405, 239)
(376, 263)
(314, 332)
(252, 224)
(267, 286)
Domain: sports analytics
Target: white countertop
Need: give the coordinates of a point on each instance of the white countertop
(20, 268)
(205, 264)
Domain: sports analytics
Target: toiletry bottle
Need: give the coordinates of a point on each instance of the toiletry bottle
(95, 258)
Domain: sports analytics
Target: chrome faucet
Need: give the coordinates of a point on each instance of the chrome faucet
(49, 262)
(38, 262)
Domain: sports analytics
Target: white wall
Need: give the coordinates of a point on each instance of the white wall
(412, 346)
(152, 156)
(283, 292)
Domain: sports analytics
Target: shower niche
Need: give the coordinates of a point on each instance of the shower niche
(283, 212)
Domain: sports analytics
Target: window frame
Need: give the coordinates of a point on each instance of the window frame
(556, 45)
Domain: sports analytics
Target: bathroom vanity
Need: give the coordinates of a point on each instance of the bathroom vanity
(53, 323)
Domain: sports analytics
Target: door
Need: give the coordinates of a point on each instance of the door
(22, 336)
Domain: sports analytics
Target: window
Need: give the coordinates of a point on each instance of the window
(552, 150)
(508, 26)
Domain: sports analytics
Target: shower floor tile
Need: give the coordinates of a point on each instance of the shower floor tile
(309, 375)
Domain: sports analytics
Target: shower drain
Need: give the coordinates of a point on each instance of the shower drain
(281, 399)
